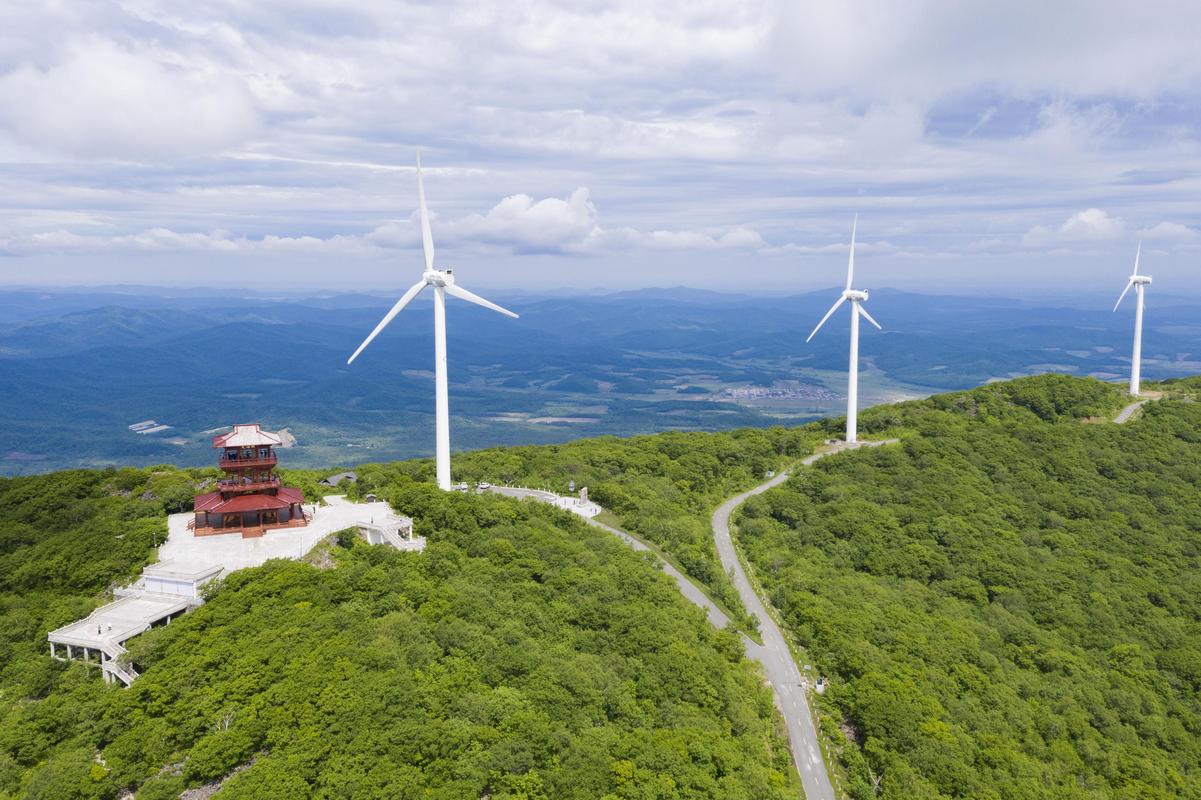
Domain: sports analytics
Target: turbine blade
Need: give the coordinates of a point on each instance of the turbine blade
(1137, 253)
(463, 294)
(851, 259)
(829, 313)
(1122, 296)
(404, 300)
(427, 238)
(867, 316)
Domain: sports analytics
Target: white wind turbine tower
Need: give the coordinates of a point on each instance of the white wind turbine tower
(443, 281)
(1139, 282)
(857, 297)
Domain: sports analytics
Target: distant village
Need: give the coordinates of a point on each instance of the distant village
(781, 390)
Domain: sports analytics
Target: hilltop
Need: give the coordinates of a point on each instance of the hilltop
(523, 655)
(1004, 602)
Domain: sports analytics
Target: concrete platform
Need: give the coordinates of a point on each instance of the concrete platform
(585, 508)
(186, 562)
(120, 620)
(229, 550)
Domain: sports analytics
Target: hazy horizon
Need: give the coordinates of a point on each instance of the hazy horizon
(1098, 298)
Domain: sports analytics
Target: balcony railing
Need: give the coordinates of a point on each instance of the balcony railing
(247, 486)
(249, 461)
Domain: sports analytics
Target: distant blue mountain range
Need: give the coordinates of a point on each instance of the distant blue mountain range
(77, 368)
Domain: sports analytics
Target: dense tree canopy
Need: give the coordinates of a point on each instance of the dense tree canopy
(523, 655)
(1008, 601)
(662, 488)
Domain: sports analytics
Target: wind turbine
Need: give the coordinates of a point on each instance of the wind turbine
(443, 281)
(1139, 282)
(857, 297)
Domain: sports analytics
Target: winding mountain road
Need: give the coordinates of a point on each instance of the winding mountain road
(774, 654)
(691, 592)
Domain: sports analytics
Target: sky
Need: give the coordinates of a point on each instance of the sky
(1017, 147)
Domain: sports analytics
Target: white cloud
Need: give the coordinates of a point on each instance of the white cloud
(165, 240)
(517, 224)
(1090, 225)
(711, 129)
(104, 100)
(528, 226)
(1169, 230)
(929, 48)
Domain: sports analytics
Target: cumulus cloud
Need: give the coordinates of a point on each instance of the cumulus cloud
(1089, 225)
(517, 224)
(1170, 231)
(571, 226)
(105, 100)
(718, 128)
(528, 226)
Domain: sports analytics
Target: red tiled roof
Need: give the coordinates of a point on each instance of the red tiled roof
(206, 502)
(214, 504)
(290, 495)
(249, 502)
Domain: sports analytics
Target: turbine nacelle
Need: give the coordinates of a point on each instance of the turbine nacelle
(439, 277)
(1140, 280)
(856, 296)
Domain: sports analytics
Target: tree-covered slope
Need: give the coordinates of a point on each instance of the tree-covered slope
(523, 655)
(662, 488)
(1007, 601)
(64, 538)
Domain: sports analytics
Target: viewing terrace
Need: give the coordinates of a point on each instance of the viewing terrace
(248, 462)
(247, 485)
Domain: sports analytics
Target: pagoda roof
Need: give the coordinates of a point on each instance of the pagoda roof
(250, 502)
(215, 504)
(247, 436)
(207, 502)
(290, 495)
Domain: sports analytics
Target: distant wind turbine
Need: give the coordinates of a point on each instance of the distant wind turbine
(856, 297)
(1139, 282)
(443, 281)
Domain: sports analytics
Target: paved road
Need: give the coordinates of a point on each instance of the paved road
(1126, 413)
(687, 588)
(774, 654)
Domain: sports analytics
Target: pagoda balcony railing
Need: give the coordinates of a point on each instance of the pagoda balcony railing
(234, 485)
(248, 462)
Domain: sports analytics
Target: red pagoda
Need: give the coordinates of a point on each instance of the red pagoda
(249, 498)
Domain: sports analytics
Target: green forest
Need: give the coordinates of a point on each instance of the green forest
(661, 488)
(524, 654)
(1007, 602)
